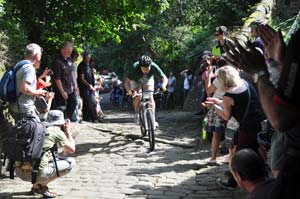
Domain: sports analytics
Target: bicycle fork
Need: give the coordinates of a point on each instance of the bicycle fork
(145, 119)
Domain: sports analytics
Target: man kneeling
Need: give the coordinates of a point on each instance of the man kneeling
(57, 133)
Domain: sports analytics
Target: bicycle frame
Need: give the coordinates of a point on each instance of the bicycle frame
(145, 105)
(147, 117)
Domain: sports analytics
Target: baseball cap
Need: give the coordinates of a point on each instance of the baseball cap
(221, 30)
(206, 54)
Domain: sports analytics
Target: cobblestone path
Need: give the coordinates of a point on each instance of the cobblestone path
(113, 162)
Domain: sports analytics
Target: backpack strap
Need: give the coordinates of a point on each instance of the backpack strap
(36, 166)
(15, 69)
(54, 160)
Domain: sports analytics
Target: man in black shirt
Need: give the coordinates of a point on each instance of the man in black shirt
(64, 86)
(86, 85)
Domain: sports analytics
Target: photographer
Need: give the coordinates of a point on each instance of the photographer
(57, 133)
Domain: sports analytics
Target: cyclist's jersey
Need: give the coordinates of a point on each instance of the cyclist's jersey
(135, 73)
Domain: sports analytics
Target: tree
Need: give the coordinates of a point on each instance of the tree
(49, 22)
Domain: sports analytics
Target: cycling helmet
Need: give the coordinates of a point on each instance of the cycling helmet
(145, 61)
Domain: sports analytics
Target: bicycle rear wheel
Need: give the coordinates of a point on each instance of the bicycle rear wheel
(150, 129)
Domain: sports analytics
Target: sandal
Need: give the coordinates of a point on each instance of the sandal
(43, 190)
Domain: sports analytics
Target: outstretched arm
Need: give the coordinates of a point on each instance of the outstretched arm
(281, 117)
(164, 80)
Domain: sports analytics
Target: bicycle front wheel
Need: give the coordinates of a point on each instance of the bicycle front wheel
(142, 122)
(150, 129)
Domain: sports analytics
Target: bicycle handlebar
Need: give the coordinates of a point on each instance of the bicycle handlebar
(141, 93)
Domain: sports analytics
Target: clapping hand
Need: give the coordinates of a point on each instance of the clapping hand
(250, 60)
(273, 43)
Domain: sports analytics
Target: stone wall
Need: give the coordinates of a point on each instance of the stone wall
(194, 97)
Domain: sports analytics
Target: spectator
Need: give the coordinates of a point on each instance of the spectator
(86, 84)
(26, 83)
(116, 94)
(44, 80)
(221, 36)
(203, 73)
(58, 133)
(249, 171)
(74, 56)
(280, 101)
(240, 101)
(43, 103)
(257, 42)
(215, 123)
(98, 98)
(187, 82)
(64, 87)
(170, 101)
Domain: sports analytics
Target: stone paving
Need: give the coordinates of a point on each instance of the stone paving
(113, 162)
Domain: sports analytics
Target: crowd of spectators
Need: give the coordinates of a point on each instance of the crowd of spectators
(257, 86)
(59, 95)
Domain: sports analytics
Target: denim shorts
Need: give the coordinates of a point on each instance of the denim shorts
(214, 122)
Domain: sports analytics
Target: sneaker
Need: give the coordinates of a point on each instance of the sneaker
(227, 183)
(43, 190)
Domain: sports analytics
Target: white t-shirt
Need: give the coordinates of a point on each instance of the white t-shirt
(171, 84)
(27, 74)
(186, 84)
(218, 92)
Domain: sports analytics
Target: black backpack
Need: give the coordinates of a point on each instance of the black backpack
(24, 143)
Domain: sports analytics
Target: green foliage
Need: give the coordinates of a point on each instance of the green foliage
(87, 23)
(176, 37)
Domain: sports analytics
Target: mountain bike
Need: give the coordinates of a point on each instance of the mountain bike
(146, 116)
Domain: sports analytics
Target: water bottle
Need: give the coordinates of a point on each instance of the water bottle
(274, 70)
(204, 133)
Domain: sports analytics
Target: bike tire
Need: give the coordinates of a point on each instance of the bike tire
(150, 129)
(142, 123)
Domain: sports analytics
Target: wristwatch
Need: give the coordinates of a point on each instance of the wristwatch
(258, 75)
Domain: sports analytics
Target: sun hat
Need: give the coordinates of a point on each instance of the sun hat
(55, 117)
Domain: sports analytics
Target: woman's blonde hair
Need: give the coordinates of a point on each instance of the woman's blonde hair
(228, 77)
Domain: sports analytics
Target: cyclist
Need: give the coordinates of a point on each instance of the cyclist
(143, 72)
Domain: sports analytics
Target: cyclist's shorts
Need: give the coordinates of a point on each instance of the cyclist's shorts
(149, 85)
